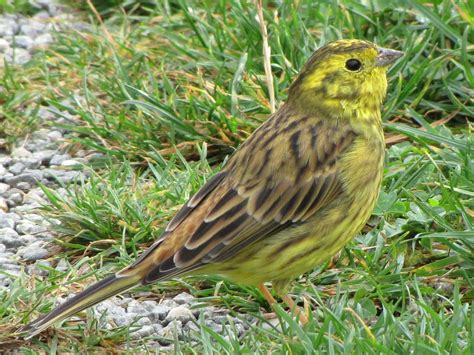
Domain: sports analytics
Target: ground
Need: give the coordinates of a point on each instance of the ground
(114, 117)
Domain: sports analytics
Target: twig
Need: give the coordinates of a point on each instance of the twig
(398, 138)
(99, 19)
(266, 54)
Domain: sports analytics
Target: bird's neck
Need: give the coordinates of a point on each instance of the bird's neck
(363, 115)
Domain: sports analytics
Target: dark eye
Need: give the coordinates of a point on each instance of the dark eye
(353, 64)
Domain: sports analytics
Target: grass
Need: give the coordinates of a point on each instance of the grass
(167, 100)
(18, 6)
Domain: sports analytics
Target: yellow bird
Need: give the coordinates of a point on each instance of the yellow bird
(301, 186)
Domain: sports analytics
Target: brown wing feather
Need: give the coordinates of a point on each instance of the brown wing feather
(272, 182)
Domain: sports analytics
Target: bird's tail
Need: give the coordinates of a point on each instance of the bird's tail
(110, 286)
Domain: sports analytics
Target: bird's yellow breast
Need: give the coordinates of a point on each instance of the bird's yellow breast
(304, 246)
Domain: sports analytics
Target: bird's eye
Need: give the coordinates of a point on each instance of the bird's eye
(353, 64)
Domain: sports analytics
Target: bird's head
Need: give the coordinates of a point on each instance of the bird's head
(343, 76)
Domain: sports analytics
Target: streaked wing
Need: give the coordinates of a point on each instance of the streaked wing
(249, 200)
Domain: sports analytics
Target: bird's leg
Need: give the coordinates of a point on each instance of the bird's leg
(271, 301)
(294, 308)
(287, 299)
(266, 293)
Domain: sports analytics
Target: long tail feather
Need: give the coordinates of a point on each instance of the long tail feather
(110, 286)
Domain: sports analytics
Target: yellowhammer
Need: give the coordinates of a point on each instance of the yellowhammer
(302, 185)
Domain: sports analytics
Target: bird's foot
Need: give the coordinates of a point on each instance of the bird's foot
(302, 315)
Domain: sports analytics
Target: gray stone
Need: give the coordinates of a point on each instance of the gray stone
(5, 174)
(3, 171)
(171, 329)
(44, 156)
(45, 236)
(70, 163)
(17, 168)
(62, 265)
(272, 324)
(4, 45)
(7, 258)
(3, 205)
(11, 16)
(35, 195)
(18, 56)
(28, 239)
(41, 15)
(44, 4)
(191, 327)
(8, 27)
(219, 318)
(31, 163)
(142, 332)
(62, 192)
(214, 326)
(57, 159)
(40, 144)
(136, 308)
(9, 39)
(169, 303)
(32, 28)
(45, 114)
(23, 41)
(180, 313)
(9, 237)
(158, 328)
(159, 313)
(123, 321)
(81, 26)
(40, 267)
(54, 136)
(65, 117)
(55, 9)
(143, 321)
(183, 298)
(28, 227)
(112, 310)
(6, 161)
(3, 188)
(14, 197)
(41, 133)
(26, 208)
(35, 218)
(43, 40)
(12, 269)
(33, 252)
(31, 177)
(210, 312)
(148, 306)
(81, 153)
(8, 220)
(67, 177)
(4, 281)
(38, 174)
(20, 152)
(66, 17)
(23, 186)
(237, 327)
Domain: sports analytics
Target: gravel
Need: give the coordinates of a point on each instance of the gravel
(42, 157)
(180, 313)
(32, 252)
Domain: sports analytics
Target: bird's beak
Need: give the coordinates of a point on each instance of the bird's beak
(386, 56)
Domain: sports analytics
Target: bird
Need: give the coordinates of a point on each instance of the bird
(291, 196)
